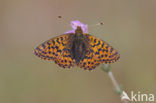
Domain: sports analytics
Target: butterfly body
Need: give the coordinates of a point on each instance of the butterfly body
(79, 46)
(83, 50)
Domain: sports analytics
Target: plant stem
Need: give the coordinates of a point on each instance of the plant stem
(123, 94)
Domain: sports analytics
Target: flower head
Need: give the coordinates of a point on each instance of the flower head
(76, 23)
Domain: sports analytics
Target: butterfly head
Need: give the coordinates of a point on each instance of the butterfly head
(78, 31)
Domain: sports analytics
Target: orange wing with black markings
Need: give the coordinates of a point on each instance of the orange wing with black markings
(56, 49)
(102, 50)
(89, 62)
(98, 52)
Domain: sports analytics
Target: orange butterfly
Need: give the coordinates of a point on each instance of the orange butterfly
(81, 49)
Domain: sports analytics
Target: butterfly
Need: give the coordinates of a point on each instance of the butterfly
(77, 49)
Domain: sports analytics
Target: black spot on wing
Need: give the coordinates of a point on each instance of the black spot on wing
(58, 40)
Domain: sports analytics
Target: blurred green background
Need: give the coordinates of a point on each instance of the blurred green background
(129, 26)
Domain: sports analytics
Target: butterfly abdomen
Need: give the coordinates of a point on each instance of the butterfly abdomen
(78, 48)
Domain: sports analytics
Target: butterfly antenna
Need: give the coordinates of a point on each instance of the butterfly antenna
(98, 24)
(61, 19)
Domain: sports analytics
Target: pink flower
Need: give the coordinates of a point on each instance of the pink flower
(76, 23)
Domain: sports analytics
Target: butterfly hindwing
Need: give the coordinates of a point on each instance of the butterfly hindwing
(56, 49)
(102, 50)
(89, 62)
(65, 60)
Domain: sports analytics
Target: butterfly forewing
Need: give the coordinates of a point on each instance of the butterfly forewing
(56, 49)
(102, 50)
(98, 52)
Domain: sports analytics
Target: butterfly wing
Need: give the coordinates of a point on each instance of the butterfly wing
(56, 49)
(98, 52)
(102, 50)
(89, 62)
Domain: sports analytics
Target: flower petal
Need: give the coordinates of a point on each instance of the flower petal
(76, 23)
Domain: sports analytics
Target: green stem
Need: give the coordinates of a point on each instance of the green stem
(118, 89)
